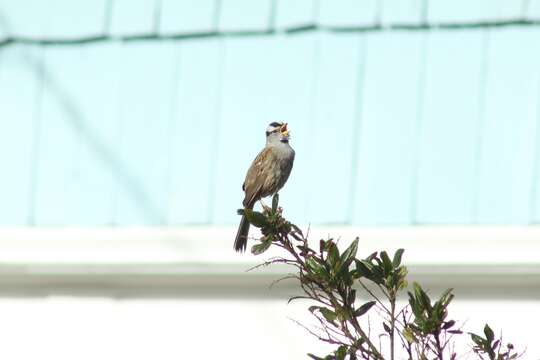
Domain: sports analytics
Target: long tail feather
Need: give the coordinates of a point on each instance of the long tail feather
(240, 243)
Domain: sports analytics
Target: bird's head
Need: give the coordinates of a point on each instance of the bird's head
(277, 131)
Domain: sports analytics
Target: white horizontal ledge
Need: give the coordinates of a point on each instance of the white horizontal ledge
(495, 261)
(233, 280)
(424, 245)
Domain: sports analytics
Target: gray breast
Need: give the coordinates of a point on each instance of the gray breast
(285, 155)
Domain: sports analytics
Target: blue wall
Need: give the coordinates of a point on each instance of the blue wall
(390, 127)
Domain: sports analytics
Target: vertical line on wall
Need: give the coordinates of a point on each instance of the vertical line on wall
(116, 148)
(533, 198)
(214, 157)
(481, 124)
(379, 13)
(316, 11)
(36, 142)
(107, 17)
(313, 95)
(120, 130)
(425, 12)
(172, 127)
(272, 15)
(312, 115)
(357, 126)
(525, 5)
(417, 135)
(157, 16)
(217, 14)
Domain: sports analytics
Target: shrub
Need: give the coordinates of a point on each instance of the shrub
(331, 280)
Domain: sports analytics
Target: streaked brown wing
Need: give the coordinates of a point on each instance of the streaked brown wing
(257, 176)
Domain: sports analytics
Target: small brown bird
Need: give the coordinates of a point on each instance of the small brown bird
(266, 175)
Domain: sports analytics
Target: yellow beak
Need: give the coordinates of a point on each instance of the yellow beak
(284, 131)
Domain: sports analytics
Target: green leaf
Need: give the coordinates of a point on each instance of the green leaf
(256, 218)
(341, 352)
(240, 211)
(351, 297)
(342, 269)
(314, 266)
(446, 297)
(363, 268)
(296, 229)
(415, 306)
(262, 247)
(314, 357)
(368, 270)
(438, 313)
(403, 272)
(386, 262)
(364, 308)
(333, 252)
(328, 314)
(490, 336)
(397, 258)
(348, 255)
(371, 257)
(322, 245)
(304, 249)
(478, 340)
(408, 334)
(333, 256)
(422, 297)
(275, 202)
(447, 325)
(390, 281)
(402, 284)
(342, 314)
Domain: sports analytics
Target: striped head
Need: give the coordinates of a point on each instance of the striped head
(277, 131)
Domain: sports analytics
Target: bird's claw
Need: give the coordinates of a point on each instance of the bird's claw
(265, 207)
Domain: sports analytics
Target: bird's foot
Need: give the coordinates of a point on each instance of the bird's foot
(265, 207)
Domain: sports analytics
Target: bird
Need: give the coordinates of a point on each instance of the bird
(266, 175)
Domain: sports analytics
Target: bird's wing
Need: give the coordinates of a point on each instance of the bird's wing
(257, 176)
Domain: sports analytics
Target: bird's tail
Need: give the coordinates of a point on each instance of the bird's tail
(240, 243)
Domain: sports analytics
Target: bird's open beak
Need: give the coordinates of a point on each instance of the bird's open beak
(284, 131)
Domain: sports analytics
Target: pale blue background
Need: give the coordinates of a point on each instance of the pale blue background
(391, 127)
